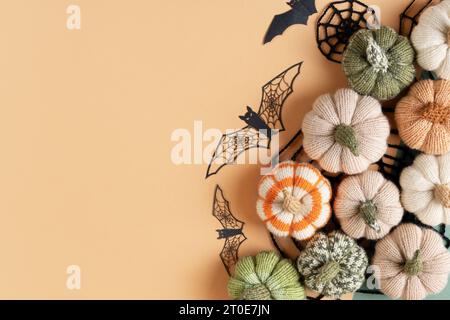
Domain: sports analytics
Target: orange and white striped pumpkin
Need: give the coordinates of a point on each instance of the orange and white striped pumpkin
(294, 200)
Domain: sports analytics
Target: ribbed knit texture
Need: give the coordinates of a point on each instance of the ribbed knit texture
(265, 277)
(332, 265)
(412, 262)
(294, 200)
(431, 38)
(367, 205)
(379, 63)
(345, 132)
(426, 189)
(423, 116)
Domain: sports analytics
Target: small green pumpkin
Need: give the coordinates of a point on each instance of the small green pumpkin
(379, 63)
(265, 277)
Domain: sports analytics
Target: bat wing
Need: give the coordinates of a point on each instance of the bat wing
(299, 14)
(274, 94)
(222, 212)
(281, 22)
(232, 144)
(230, 252)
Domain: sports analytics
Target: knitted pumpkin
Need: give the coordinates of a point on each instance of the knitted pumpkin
(426, 188)
(265, 277)
(367, 205)
(431, 39)
(332, 265)
(412, 262)
(379, 63)
(423, 116)
(345, 132)
(294, 200)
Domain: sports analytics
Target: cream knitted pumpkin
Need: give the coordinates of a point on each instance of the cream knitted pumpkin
(294, 200)
(367, 205)
(426, 188)
(412, 262)
(431, 39)
(345, 132)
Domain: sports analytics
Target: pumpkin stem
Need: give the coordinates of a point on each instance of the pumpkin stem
(368, 211)
(328, 272)
(436, 113)
(290, 203)
(442, 194)
(414, 266)
(345, 135)
(376, 56)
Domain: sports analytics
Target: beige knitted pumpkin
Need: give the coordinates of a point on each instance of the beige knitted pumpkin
(345, 132)
(412, 262)
(423, 117)
(367, 205)
(426, 188)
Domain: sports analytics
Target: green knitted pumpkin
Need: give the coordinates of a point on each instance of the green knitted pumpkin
(265, 277)
(379, 63)
(333, 265)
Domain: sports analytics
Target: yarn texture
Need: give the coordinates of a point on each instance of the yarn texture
(265, 277)
(426, 189)
(332, 265)
(345, 132)
(368, 205)
(423, 116)
(431, 39)
(412, 262)
(294, 200)
(379, 63)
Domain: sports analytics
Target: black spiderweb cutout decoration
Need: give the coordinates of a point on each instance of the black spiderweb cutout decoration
(397, 157)
(337, 23)
(410, 16)
(231, 230)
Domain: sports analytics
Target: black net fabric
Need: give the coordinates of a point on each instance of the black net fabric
(337, 23)
(410, 16)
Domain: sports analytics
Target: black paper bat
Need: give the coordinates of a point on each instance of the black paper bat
(298, 14)
(260, 126)
(231, 232)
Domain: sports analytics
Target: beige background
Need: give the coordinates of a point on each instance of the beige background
(85, 122)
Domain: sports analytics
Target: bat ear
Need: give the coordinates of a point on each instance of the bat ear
(249, 109)
(242, 117)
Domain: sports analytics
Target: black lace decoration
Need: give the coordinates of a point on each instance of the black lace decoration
(410, 17)
(337, 23)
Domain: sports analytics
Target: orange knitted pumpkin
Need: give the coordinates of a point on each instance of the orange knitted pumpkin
(294, 200)
(423, 117)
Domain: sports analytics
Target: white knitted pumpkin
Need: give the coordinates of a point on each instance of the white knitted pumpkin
(426, 188)
(431, 39)
(367, 205)
(345, 132)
